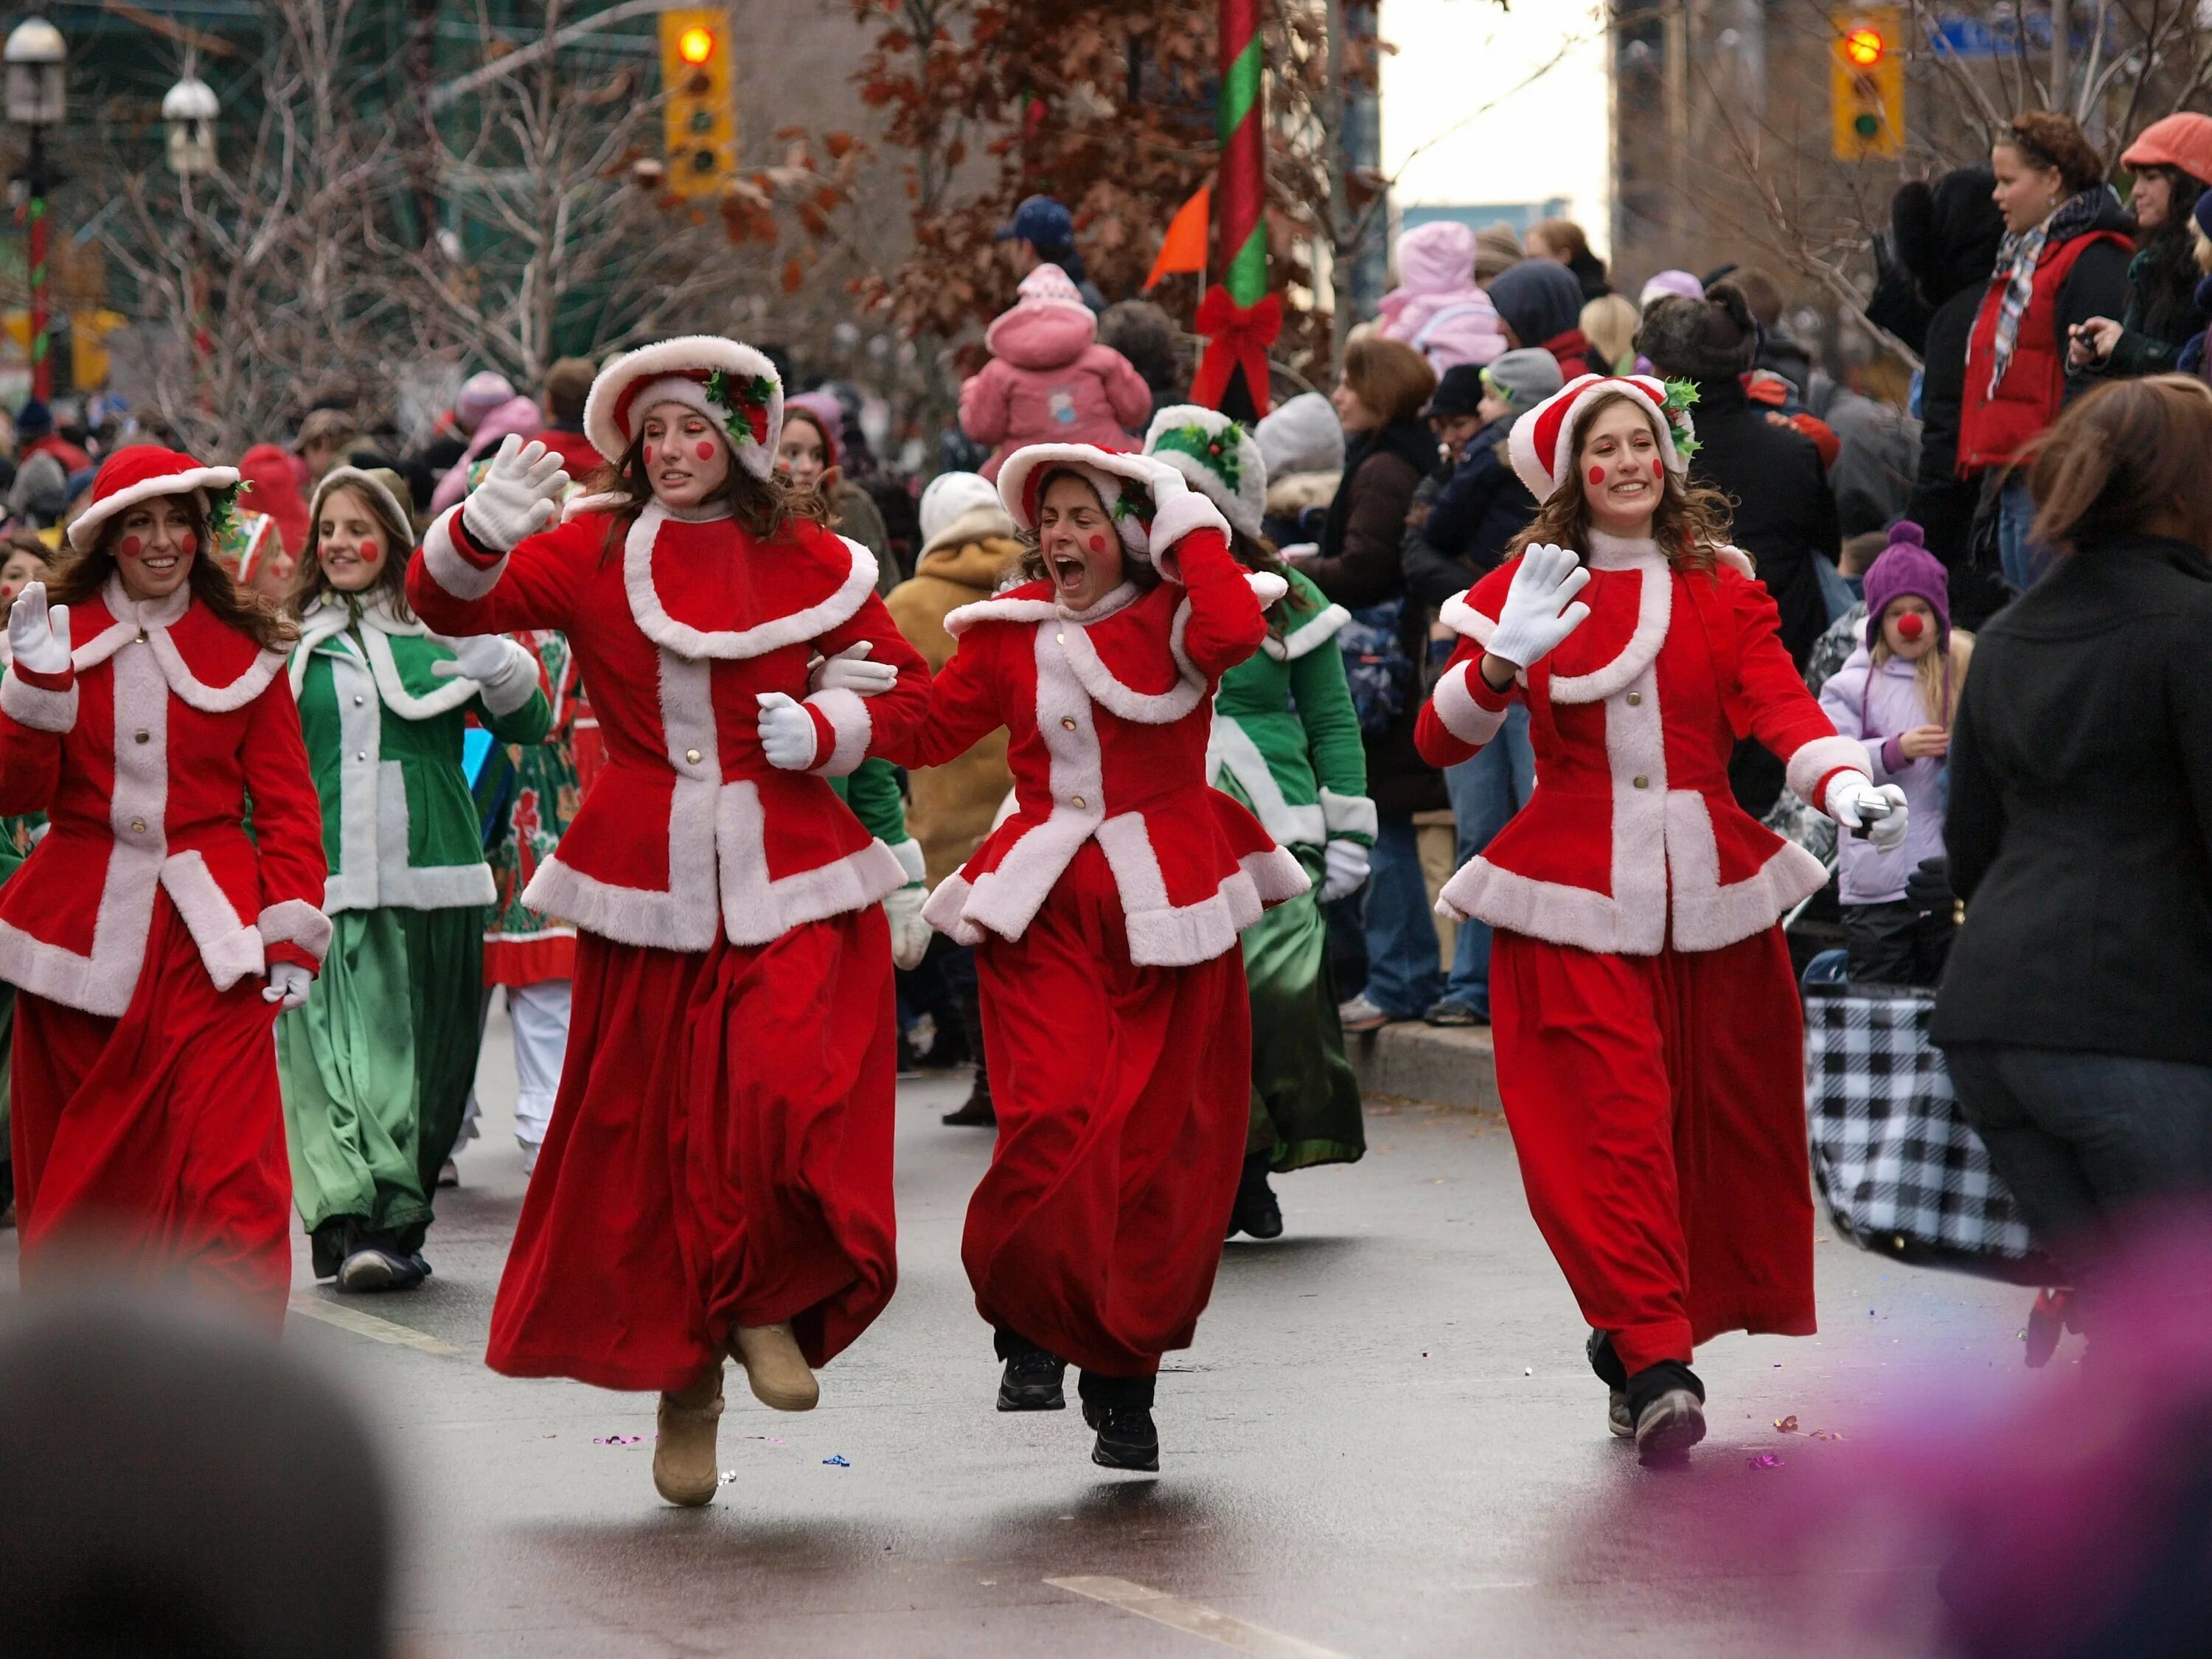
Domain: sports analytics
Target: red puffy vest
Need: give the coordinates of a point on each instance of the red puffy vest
(1993, 428)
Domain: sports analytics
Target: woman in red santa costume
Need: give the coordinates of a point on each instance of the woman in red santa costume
(1649, 1052)
(1105, 914)
(717, 1176)
(149, 937)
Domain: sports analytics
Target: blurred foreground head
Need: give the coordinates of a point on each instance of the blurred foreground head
(174, 1484)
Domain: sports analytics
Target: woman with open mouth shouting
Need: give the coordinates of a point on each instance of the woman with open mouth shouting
(149, 937)
(1105, 912)
(717, 1176)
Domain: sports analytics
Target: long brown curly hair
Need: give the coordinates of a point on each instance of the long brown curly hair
(1692, 520)
(1141, 574)
(761, 507)
(82, 576)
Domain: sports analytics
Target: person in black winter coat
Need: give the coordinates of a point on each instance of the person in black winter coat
(2076, 1008)
(1946, 237)
(1462, 518)
(1785, 517)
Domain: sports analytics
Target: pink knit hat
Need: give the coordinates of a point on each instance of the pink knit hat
(1044, 289)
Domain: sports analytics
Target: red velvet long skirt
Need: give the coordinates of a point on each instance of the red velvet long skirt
(1123, 1095)
(1657, 1106)
(719, 1154)
(155, 1144)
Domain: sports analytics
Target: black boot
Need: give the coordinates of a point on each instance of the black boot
(1668, 1404)
(1121, 1409)
(1032, 1379)
(1256, 1212)
(976, 1112)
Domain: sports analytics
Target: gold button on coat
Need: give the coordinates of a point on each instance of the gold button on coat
(691, 755)
(1068, 720)
(138, 826)
(141, 737)
(1077, 801)
(1635, 698)
(1642, 783)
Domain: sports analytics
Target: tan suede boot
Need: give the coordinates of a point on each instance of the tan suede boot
(683, 1470)
(777, 1369)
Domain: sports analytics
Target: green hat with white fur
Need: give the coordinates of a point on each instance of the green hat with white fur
(1217, 458)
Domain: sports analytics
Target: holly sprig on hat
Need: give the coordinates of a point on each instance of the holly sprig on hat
(1682, 395)
(747, 400)
(1134, 502)
(1217, 451)
(222, 513)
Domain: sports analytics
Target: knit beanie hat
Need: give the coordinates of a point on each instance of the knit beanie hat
(1524, 378)
(480, 394)
(1671, 281)
(954, 496)
(1496, 248)
(2180, 140)
(1907, 568)
(1303, 435)
(1714, 338)
(1216, 457)
(34, 420)
(1459, 392)
(1045, 288)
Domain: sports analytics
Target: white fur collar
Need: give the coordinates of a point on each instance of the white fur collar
(150, 620)
(1622, 552)
(694, 643)
(1655, 605)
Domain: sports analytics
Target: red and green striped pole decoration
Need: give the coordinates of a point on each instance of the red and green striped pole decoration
(1238, 317)
(1242, 193)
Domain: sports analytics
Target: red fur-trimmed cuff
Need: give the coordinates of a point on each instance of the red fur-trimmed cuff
(294, 925)
(292, 953)
(843, 728)
(60, 681)
(1470, 711)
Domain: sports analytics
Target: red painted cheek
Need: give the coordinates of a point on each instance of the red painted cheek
(703, 449)
(1658, 467)
(1097, 544)
(1596, 476)
(188, 543)
(131, 546)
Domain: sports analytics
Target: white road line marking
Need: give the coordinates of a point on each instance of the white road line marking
(1196, 1617)
(362, 1324)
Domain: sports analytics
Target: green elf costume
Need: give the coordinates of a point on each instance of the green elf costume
(1286, 743)
(17, 836)
(871, 791)
(377, 1065)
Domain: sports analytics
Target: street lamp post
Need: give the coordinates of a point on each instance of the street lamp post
(190, 109)
(34, 57)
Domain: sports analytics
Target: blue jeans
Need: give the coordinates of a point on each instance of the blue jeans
(1403, 977)
(2022, 560)
(1485, 792)
(2085, 1140)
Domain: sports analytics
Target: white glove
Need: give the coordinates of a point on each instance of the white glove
(38, 639)
(1856, 804)
(517, 497)
(288, 984)
(850, 671)
(786, 732)
(1532, 622)
(1344, 870)
(909, 932)
(487, 659)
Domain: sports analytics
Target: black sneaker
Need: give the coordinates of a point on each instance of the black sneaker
(1256, 1212)
(976, 1112)
(1032, 1382)
(1668, 1426)
(1126, 1438)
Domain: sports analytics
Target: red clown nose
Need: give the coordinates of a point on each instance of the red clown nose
(1910, 625)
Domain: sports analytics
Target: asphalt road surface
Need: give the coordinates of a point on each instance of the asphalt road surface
(1386, 1442)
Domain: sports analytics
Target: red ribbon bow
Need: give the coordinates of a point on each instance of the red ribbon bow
(1236, 337)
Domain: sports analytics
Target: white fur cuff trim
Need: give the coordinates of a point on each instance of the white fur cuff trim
(512, 688)
(1348, 816)
(295, 922)
(848, 717)
(1266, 586)
(1463, 716)
(36, 706)
(909, 853)
(1814, 761)
(451, 571)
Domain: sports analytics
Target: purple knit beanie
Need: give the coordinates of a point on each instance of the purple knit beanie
(1906, 567)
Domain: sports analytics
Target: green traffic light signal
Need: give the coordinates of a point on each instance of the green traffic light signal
(1866, 124)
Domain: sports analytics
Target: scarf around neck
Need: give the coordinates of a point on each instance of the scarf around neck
(2019, 253)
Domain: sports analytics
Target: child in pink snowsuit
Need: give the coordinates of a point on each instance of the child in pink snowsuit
(1049, 381)
(1436, 308)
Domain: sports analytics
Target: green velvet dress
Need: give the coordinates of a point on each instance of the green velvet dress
(376, 1067)
(1287, 743)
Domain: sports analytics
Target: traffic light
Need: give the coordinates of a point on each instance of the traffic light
(1866, 83)
(701, 119)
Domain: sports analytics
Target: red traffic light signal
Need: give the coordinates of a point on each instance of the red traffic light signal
(1864, 46)
(695, 45)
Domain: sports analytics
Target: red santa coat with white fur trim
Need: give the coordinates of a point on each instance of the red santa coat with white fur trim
(1108, 712)
(143, 758)
(676, 627)
(1633, 839)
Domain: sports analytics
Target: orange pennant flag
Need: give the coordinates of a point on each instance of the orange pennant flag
(1183, 248)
